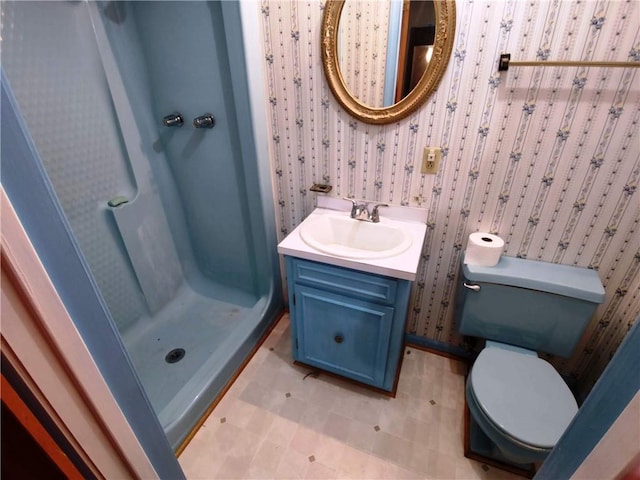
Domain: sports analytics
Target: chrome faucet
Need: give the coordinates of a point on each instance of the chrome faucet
(204, 121)
(173, 120)
(360, 210)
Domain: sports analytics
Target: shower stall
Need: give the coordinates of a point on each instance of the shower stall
(139, 113)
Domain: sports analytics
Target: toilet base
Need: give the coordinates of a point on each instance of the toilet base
(479, 447)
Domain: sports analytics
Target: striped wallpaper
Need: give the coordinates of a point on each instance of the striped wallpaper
(546, 157)
(362, 49)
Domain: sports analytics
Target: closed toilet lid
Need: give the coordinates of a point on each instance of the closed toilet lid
(523, 395)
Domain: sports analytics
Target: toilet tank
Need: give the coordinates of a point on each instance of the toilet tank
(536, 305)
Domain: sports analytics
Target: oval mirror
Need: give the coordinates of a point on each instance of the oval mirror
(384, 59)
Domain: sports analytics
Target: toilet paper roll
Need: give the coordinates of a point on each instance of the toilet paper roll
(483, 249)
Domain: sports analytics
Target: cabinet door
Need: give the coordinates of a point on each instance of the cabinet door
(343, 335)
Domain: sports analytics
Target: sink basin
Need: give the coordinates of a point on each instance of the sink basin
(345, 237)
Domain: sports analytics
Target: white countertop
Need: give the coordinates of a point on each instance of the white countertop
(404, 265)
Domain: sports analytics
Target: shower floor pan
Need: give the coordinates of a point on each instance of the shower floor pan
(214, 335)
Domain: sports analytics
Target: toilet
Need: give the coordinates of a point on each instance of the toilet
(519, 404)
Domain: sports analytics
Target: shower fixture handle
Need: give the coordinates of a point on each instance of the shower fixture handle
(173, 120)
(375, 214)
(204, 121)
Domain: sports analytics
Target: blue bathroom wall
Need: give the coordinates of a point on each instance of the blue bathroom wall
(184, 48)
(242, 34)
(123, 39)
(172, 56)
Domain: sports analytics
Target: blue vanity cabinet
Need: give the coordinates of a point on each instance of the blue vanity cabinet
(347, 322)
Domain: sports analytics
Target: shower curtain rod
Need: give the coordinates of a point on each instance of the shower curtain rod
(505, 62)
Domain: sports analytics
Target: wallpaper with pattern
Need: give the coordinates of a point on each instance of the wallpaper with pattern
(546, 157)
(362, 49)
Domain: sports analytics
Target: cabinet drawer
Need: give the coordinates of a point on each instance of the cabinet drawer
(342, 335)
(362, 285)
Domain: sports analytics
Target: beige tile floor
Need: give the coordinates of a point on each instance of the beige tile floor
(279, 422)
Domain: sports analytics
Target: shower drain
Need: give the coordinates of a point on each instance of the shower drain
(175, 355)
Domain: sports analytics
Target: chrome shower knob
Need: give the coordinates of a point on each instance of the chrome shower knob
(173, 120)
(204, 121)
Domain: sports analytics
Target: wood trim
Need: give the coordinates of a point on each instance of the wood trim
(32, 425)
(435, 351)
(47, 351)
(33, 355)
(402, 51)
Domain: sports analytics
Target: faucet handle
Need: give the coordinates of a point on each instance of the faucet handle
(375, 215)
(204, 121)
(173, 120)
(354, 206)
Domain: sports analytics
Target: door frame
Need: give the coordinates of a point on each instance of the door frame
(46, 252)
(46, 351)
(610, 396)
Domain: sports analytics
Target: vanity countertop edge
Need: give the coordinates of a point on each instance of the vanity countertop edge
(403, 266)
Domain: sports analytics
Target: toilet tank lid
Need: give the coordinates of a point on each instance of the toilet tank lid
(577, 282)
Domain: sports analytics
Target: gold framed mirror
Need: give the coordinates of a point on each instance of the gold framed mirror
(443, 27)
